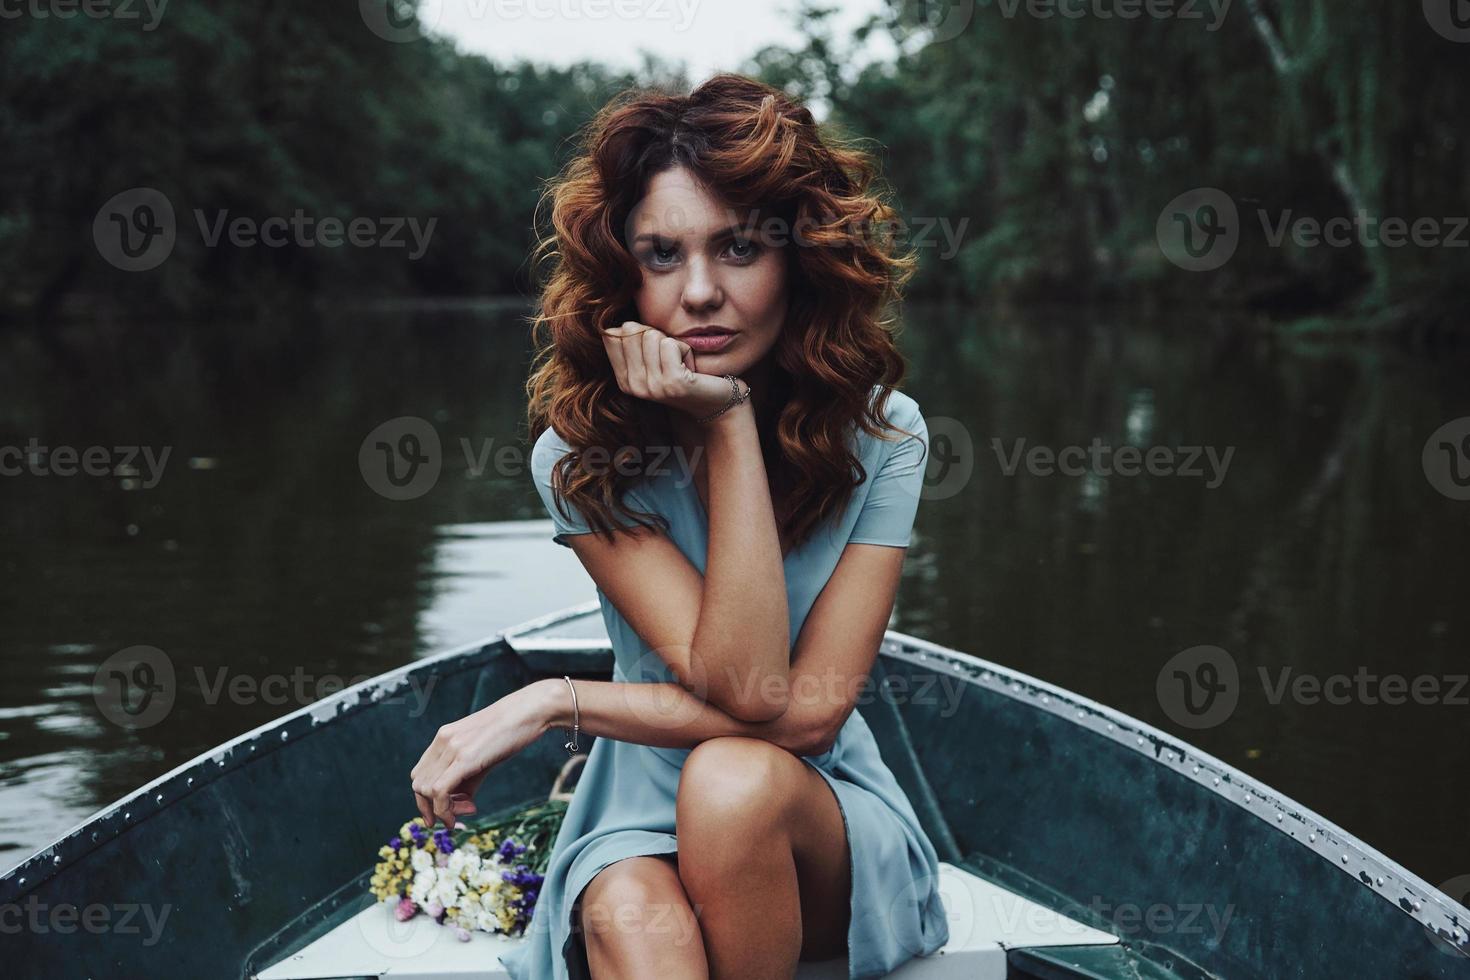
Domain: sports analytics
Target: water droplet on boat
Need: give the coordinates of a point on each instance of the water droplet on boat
(285, 735)
(1312, 838)
(158, 798)
(1196, 770)
(1344, 859)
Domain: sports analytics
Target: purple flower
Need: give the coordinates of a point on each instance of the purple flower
(417, 833)
(462, 934)
(522, 876)
(395, 843)
(509, 849)
(405, 910)
(443, 841)
(435, 910)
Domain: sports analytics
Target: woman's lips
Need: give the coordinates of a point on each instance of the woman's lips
(708, 343)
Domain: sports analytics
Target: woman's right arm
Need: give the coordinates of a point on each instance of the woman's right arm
(724, 635)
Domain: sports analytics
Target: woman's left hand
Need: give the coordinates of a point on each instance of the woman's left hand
(463, 752)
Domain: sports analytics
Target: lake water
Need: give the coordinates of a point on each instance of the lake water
(1284, 519)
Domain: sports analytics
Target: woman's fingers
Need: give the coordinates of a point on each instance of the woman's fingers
(629, 341)
(674, 357)
(653, 342)
(426, 809)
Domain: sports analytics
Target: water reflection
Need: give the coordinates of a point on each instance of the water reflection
(264, 553)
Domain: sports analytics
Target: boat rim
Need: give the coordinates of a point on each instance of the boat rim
(1440, 915)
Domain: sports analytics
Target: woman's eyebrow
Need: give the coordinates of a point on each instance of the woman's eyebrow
(734, 231)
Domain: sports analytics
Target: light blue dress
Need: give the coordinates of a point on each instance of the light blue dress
(623, 805)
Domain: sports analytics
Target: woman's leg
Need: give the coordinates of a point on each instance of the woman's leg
(637, 923)
(763, 856)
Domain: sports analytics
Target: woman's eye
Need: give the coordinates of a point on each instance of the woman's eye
(744, 250)
(658, 255)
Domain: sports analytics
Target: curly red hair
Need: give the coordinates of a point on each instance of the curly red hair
(756, 148)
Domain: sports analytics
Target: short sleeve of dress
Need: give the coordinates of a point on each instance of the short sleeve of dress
(566, 517)
(887, 515)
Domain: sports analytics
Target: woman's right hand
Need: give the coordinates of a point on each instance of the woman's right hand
(652, 365)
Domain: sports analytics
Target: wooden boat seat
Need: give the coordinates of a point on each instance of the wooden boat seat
(984, 921)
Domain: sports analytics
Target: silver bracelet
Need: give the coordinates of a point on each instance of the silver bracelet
(571, 746)
(736, 397)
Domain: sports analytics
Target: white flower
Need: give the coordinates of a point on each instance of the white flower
(447, 890)
(463, 863)
(422, 889)
(422, 861)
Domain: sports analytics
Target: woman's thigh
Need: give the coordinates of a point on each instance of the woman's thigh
(735, 779)
(636, 904)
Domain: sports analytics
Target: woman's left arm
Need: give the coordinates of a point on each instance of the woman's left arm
(833, 657)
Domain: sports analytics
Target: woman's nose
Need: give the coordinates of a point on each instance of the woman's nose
(702, 289)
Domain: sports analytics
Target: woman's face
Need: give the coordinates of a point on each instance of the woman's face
(704, 266)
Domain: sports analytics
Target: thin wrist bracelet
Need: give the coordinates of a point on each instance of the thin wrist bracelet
(571, 746)
(736, 397)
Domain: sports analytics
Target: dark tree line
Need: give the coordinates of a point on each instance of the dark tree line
(1050, 144)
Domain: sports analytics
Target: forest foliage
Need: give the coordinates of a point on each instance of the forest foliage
(1047, 146)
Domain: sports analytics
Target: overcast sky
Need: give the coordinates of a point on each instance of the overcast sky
(708, 35)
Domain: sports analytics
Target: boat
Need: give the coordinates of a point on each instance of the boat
(1074, 841)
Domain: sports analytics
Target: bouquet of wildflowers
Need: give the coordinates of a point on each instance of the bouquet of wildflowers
(484, 876)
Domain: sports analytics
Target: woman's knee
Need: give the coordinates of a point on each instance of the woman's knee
(734, 780)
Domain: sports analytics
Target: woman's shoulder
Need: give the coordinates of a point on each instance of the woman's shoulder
(899, 409)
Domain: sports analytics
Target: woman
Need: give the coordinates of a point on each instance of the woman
(719, 442)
